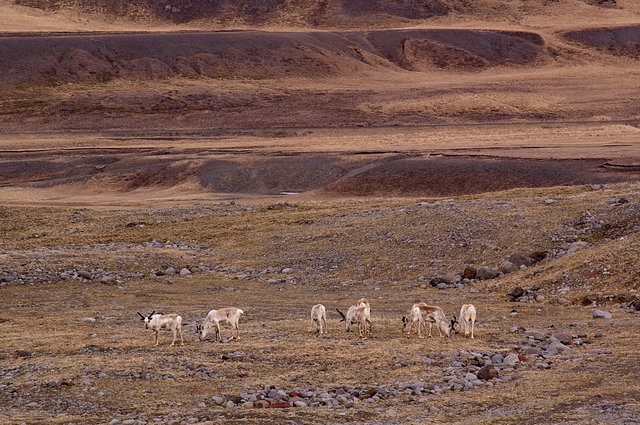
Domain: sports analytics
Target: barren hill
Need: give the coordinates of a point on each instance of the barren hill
(322, 13)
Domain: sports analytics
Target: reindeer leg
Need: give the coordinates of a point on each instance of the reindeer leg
(157, 332)
(181, 340)
(410, 328)
(174, 337)
(472, 323)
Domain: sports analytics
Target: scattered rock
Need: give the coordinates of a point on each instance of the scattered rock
(511, 360)
(602, 314)
(217, 400)
(564, 338)
(486, 272)
(516, 293)
(507, 267)
(470, 273)
(84, 274)
(577, 246)
(591, 299)
(520, 259)
(109, 280)
(89, 319)
(538, 256)
(487, 373)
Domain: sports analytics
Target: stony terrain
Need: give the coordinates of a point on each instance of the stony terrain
(186, 155)
(544, 346)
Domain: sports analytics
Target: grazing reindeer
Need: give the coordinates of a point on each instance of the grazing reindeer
(213, 319)
(422, 314)
(363, 301)
(415, 316)
(360, 315)
(319, 318)
(466, 321)
(157, 321)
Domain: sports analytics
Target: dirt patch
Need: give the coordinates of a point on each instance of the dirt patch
(622, 41)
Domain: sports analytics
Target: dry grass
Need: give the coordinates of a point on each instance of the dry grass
(476, 105)
(276, 345)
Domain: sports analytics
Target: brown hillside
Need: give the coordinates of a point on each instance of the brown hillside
(623, 41)
(255, 54)
(274, 12)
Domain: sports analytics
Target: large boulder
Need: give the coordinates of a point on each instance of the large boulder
(486, 272)
(507, 267)
(601, 314)
(538, 256)
(520, 259)
(516, 293)
(470, 272)
(487, 372)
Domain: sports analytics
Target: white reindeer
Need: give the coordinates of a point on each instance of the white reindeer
(422, 314)
(319, 318)
(466, 320)
(363, 301)
(213, 319)
(360, 315)
(156, 321)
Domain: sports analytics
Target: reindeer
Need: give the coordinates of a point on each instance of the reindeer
(423, 314)
(319, 318)
(467, 319)
(213, 319)
(361, 315)
(363, 301)
(156, 321)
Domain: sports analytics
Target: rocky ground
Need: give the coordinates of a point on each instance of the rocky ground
(551, 271)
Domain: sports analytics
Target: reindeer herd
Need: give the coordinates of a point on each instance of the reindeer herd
(421, 316)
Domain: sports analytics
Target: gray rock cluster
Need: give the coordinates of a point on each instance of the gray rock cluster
(541, 346)
(515, 262)
(461, 370)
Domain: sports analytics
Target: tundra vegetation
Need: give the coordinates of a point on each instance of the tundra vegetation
(185, 156)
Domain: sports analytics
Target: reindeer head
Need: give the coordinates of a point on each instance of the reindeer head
(405, 323)
(445, 327)
(146, 319)
(199, 331)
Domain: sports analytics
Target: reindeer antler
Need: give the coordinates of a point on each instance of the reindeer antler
(141, 316)
(342, 314)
